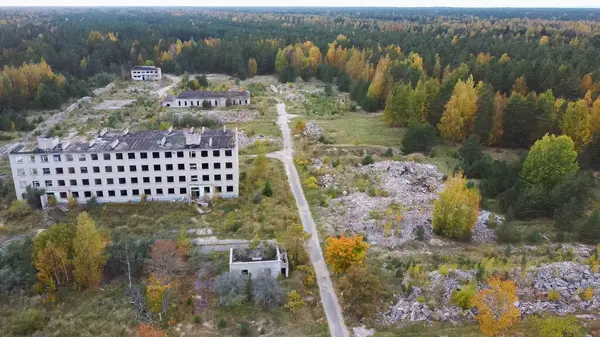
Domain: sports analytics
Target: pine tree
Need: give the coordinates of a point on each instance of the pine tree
(485, 112)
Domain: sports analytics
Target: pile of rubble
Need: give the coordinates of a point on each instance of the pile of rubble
(231, 116)
(568, 278)
(312, 130)
(245, 141)
(410, 184)
(481, 232)
(413, 185)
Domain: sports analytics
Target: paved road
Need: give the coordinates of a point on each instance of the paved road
(335, 320)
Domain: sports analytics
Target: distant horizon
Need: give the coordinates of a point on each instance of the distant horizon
(237, 4)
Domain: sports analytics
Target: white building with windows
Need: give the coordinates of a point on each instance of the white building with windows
(272, 261)
(170, 165)
(207, 99)
(145, 73)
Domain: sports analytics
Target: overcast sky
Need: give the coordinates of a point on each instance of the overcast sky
(375, 3)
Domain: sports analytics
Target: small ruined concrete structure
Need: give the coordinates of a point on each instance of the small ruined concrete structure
(207, 99)
(169, 165)
(269, 260)
(145, 73)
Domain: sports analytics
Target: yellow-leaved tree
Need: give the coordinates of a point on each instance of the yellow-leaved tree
(497, 119)
(458, 117)
(576, 123)
(345, 251)
(595, 118)
(88, 253)
(496, 310)
(252, 67)
(457, 209)
(379, 86)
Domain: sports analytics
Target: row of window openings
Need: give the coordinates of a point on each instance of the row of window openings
(185, 103)
(132, 168)
(148, 192)
(119, 156)
(123, 181)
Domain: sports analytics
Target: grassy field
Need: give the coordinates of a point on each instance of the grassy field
(266, 124)
(253, 214)
(103, 313)
(358, 129)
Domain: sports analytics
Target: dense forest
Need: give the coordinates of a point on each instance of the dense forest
(508, 76)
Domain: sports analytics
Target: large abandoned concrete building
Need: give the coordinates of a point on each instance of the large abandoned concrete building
(170, 165)
(145, 73)
(270, 260)
(207, 99)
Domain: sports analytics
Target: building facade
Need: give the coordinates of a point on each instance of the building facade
(253, 262)
(145, 73)
(180, 165)
(207, 99)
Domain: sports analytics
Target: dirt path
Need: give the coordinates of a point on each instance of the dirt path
(333, 311)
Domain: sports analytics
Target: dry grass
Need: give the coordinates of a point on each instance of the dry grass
(100, 313)
(252, 213)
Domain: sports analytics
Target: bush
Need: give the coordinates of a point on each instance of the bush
(294, 301)
(32, 196)
(587, 294)
(418, 138)
(267, 190)
(558, 327)
(367, 160)
(16, 266)
(244, 329)
(590, 231)
(19, 209)
(311, 183)
(27, 321)
(267, 291)
(508, 233)
(389, 152)
(463, 298)
(197, 319)
(222, 324)
(553, 295)
(71, 202)
(231, 288)
(310, 279)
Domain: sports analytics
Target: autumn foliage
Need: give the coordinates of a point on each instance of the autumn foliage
(343, 252)
(149, 330)
(88, 253)
(496, 310)
(457, 209)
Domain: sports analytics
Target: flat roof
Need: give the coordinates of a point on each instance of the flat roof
(211, 94)
(140, 141)
(144, 68)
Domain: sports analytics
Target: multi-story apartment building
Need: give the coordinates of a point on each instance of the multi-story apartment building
(145, 73)
(121, 166)
(207, 99)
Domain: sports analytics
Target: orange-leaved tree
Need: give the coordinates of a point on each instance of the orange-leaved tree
(343, 252)
(149, 330)
(496, 309)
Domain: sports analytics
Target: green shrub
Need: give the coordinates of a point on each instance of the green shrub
(197, 319)
(590, 231)
(19, 209)
(244, 329)
(553, 295)
(367, 160)
(418, 138)
(267, 190)
(463, 297)
(389, 152)
(558, 327)
(222, 324)
(508, 233)
(27, 321)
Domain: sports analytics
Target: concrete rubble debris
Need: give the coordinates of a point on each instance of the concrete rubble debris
(312, 130)
(245, 141)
